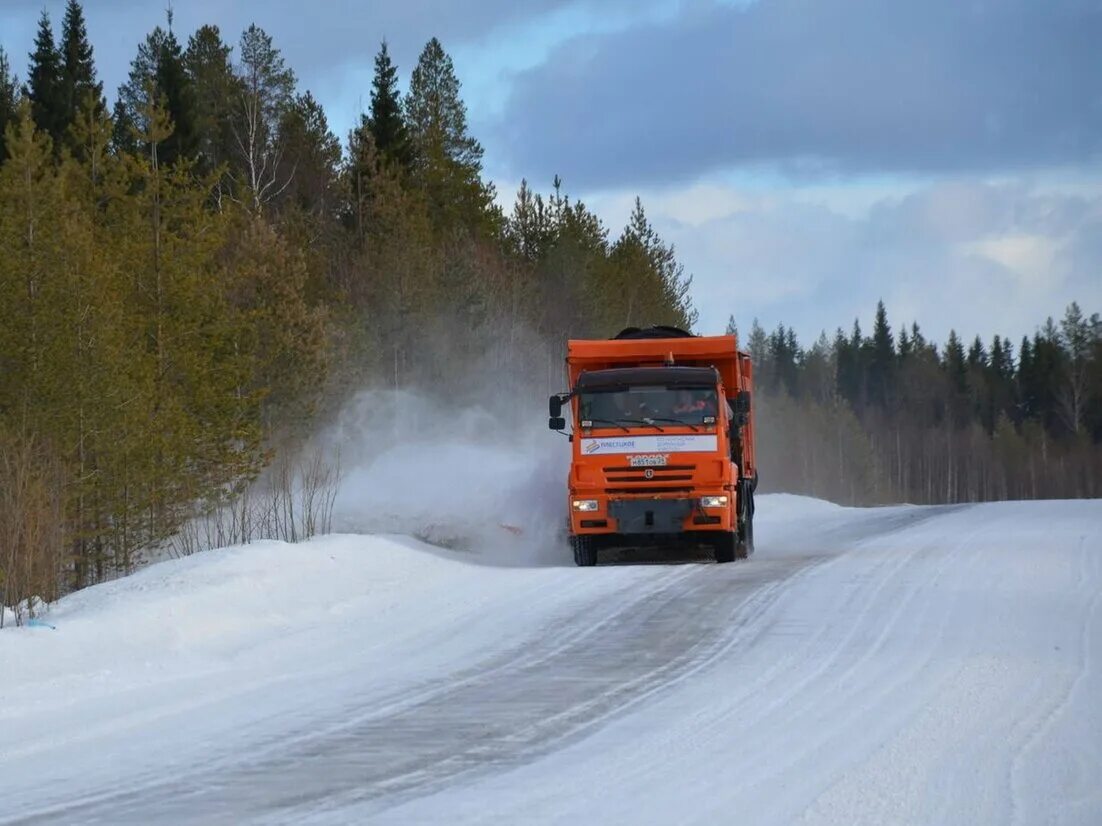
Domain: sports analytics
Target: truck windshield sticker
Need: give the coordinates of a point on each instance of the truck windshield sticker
(650, 444)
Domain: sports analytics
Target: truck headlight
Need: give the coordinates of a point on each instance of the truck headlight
(713, 501)
(585, 504)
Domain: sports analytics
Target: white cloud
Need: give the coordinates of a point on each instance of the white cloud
(980, 257)
(1033, 258)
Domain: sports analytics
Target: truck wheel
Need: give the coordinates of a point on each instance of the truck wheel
(585, 551)
(725, 547)
(746, 521)
(750, 533)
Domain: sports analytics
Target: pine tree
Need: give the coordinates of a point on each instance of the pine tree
(45, 84)
(78, 70)
(9, 101)
(447, 160)
(385, 121)
(659, 287)
(530, 230)
(29, 206)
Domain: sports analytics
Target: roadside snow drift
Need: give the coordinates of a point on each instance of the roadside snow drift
(895, 665)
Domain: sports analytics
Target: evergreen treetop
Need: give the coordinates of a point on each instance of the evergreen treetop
(78, 70)
(436, 115)
(385, 121)
(45, 88)
(9, 101)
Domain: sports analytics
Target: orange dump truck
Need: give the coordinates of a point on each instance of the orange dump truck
(663, 443)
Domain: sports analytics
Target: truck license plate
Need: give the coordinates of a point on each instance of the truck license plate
(650, 460)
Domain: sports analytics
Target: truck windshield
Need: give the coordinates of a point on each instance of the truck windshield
(648, 403)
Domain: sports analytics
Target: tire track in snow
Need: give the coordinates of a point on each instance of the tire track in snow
(508, 712)
(1039, 725)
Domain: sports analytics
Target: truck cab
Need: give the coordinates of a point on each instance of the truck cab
(662, 443)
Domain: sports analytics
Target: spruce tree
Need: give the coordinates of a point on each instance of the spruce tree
(45, 85)
(208, 65)
(9, 100)
(78, 70)
(758, 345)
(310, 159)
(956, 371)
(158, 70)
(905, 346)
(386, 123)
(133, 95)
(882, 359)
(175, 88)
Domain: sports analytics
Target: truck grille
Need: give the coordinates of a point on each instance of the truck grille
(634, 479)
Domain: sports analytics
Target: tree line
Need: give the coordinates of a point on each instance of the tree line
(193, 276)
(893, 417)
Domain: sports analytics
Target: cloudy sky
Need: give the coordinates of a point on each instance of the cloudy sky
(807, 157)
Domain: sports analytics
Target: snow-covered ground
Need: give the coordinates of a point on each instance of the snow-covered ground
(895, 665)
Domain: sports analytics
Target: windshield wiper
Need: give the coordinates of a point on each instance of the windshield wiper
(643, 422)
(673, 421)
(609, 421)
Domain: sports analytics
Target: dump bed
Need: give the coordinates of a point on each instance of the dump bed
(720, 352)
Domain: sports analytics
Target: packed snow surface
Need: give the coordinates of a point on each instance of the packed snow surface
(893, 665)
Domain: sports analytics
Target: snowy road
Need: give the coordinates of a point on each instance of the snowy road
(920, 665)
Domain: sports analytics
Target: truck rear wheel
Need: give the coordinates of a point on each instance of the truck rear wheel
(585, 551)
(746, 520)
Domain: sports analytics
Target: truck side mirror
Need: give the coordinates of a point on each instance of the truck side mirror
(557, 423)
(742, 402)
(554, 406)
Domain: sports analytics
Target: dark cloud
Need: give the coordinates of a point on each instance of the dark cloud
(831, 86)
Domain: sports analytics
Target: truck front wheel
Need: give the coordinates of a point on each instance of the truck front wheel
(585, 551)
(726, 546)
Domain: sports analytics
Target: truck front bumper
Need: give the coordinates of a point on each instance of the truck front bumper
(639, 516)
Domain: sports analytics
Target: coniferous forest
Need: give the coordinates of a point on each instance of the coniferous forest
(197, 273)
